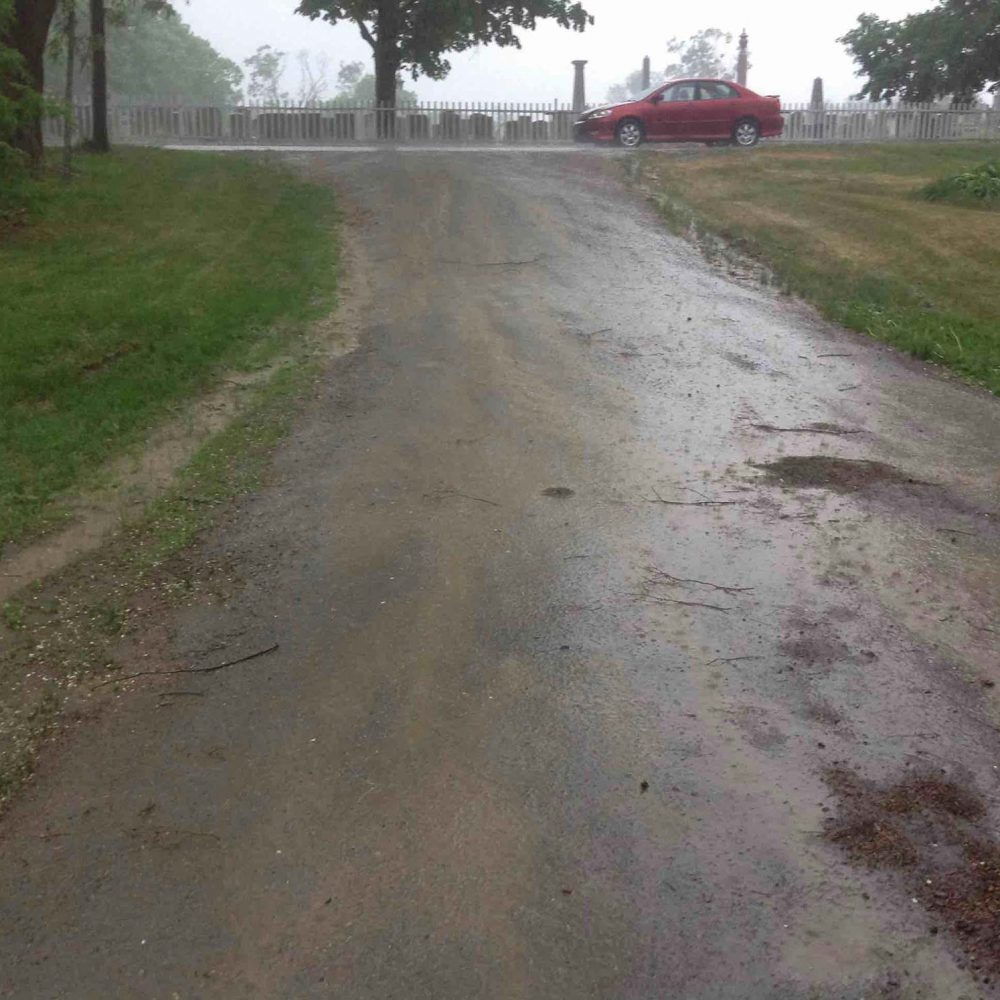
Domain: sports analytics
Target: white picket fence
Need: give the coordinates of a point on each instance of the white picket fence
(292, 125)
(487, 124)
(855, 122)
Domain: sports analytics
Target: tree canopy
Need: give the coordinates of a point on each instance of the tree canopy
(416, 36)
(951, 50)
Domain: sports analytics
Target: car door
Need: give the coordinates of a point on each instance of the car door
(673, 115)
(717, 110)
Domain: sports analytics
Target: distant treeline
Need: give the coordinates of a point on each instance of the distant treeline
(151, 55)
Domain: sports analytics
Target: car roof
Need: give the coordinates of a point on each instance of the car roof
(701, 79)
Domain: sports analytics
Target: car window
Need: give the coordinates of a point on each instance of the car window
(680, 92)
(716, 92)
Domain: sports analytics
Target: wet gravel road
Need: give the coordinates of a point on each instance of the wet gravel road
(561, 668)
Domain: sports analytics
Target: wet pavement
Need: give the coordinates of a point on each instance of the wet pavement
(562, 663)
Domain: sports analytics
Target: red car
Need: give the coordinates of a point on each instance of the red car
(685, 111)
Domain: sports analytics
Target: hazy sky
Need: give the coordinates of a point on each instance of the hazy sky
(790, 43)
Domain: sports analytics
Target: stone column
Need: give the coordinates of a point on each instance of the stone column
(817, 102)
(645, 74)
(818, 107)
(743, 63)
(579, 85)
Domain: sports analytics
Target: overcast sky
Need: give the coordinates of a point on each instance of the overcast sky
(790, 43)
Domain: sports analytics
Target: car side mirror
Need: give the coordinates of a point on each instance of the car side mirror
(656, 98)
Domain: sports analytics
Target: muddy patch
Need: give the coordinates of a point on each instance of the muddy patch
(741, 362)
(841, 475)
(816, 650)
(935, 832)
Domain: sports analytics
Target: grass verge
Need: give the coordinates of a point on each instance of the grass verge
(61, 634)
(846, 229)
(128, 290)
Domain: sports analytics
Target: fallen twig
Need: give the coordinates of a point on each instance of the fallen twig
(836, 431)
(833, 355)
(732, 659)
(698, 503)
(955, 531)
(442, 494)
(692, 503)
(690, 604)
(847, 388)
(702, 583)
(490, 263)
(190, 670)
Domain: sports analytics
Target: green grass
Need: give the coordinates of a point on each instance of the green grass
(132, 289)
(846, 228)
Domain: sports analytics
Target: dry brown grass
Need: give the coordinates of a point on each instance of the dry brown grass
(845, 229)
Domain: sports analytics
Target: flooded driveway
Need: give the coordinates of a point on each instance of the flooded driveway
(596, 577)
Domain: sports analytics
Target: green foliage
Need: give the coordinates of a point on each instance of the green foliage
(152, 53)
(148, 275)
(265, 68)
(415, 36)
(951, 50)
(703, 54)
(981, 185)
(356, 88)
(19, 105)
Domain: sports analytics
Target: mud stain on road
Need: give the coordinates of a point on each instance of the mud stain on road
(841, 475)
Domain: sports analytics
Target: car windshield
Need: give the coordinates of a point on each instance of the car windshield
(646, 94)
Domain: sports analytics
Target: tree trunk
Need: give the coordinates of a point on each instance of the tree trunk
(69, 96)
(27, 34)
(386, 71)
(100, 141)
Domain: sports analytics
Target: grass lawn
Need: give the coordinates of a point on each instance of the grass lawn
(844, 228)
(132, 288)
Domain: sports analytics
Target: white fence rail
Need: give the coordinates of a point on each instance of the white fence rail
(297, 125)
(289, 124)
(880, 123)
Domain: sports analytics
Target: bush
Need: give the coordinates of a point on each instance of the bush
(981, 185)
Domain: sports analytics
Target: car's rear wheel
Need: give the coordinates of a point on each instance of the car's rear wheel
(746, 133)
(629, 133)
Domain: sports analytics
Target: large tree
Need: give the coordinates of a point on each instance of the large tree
(100, 11)
(951, 50)
(24, 31)
(415, 36)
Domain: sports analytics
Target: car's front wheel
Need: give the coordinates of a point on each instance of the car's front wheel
(629, 133)
(746, 133)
